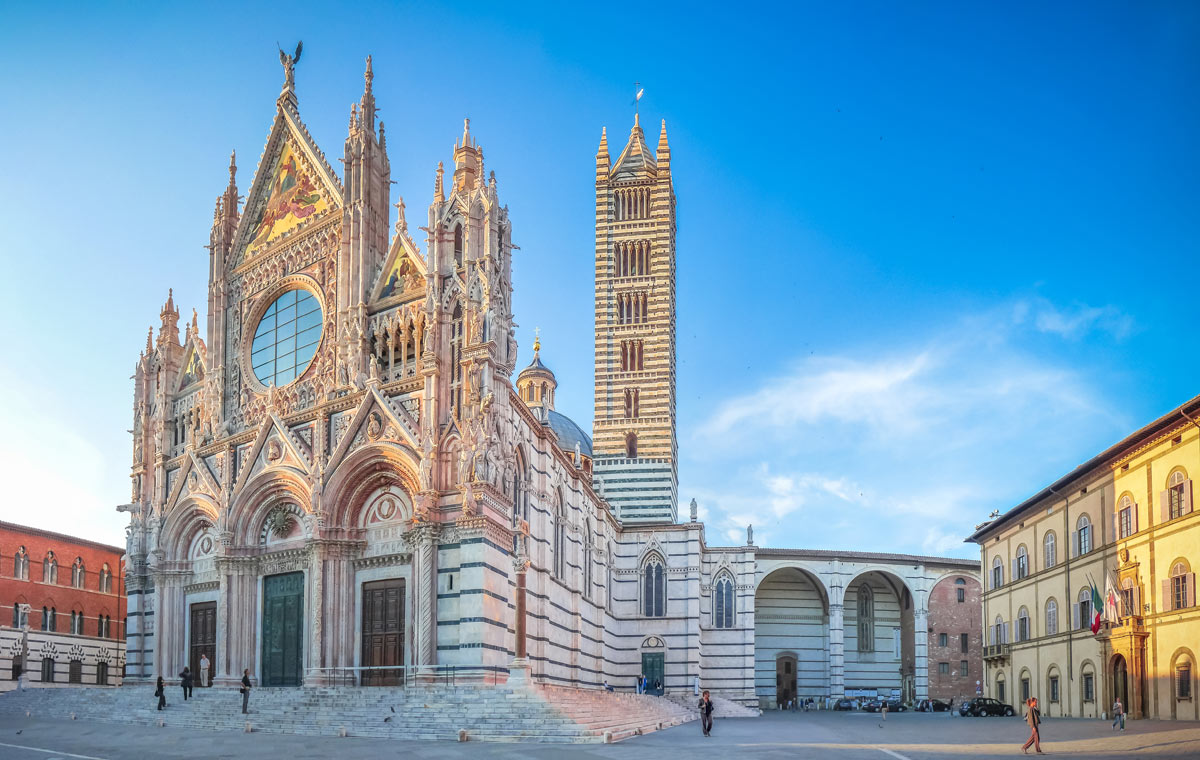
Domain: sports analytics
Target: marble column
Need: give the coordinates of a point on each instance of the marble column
(316, 605)
(921, 652)
(837, 651)
(423, 540)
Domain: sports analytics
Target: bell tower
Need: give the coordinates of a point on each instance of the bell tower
(634, 429)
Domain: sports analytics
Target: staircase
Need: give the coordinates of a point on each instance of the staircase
(722, 707)
(429, 713)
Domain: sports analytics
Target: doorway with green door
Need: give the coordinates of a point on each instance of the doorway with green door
(283, 630)
(654, 668)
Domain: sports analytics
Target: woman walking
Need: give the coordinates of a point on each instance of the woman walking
(161, 693)
(1034, 718)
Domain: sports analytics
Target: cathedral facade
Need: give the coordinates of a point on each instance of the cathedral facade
(336, 476)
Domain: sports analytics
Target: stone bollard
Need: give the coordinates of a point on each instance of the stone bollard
(342, 732)
(161, 723)
(28, 713)
(72, 716)
(462, 734)
(608, 737)
(248, 729)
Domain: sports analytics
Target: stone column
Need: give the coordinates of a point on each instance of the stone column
(423, 540)
(518, 670)
(222, 670)
(921, 652)
(316, 644)
(837, 651)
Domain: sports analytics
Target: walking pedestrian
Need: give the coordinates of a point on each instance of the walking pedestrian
(883, 710)
(185, 680)
(641, 683)
(204, 671)
(161, 693)
(1118, 714)
(706, 713)
(245, 691)
(1034, 718)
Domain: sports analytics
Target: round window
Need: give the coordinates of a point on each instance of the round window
(286, 338)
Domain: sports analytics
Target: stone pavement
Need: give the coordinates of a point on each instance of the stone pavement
(836, 736)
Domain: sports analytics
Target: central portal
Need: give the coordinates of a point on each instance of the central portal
(383, 632)
(203, 639)
(283, 629)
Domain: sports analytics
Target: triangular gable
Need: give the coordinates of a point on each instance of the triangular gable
(293, 186)
(376, 419)
(272, 447)
(192, 370)
(192, 477)
(403, 271)
(637, 158)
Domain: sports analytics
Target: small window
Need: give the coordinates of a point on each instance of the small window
(942, 639)
(102, 673)
(1125, 517)
(1089, 688)
(1053, 688)
(1051, 617)
(944, 668)
(963, 642)
(75, 672)
(1084, 535)
(963, 668)
(997, 573)
(1022, 563)
(47, 670)
(1025, 689)
(1175, 494)
(1183, 681)
(1049, 550)
(1023, 625)
(458, 246)
(16, 667)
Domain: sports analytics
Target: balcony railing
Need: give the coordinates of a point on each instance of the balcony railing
(996, 651)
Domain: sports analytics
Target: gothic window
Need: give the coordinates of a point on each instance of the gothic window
(77, 573)
(49, 569)
(722, 616)
(17, 619)
(1176, 497)
(866, 618)
(560, 537)
(76, 622)
(21, 565)
(1051, 617)
(1022, 563)
(458, 246)
(631, 403)
(1083, 536)
(654, 588)
(106, 579)
(286, 338)
(960, 588)
(638, 363)
(45, 618)
(587, 560)
(518, 490)
(1049, 550)
(997, 573)
(631, 445)
(456, 369)
(1125, 521)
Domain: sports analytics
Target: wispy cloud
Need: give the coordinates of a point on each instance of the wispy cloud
(1075, 320)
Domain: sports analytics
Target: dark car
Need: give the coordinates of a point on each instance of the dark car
(845, 704)
(893, 705)
(931, 705)
(985, 706)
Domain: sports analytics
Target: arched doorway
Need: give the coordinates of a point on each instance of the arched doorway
(1120, 680)
(785, 680)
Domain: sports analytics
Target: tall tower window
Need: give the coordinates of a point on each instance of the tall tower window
(456, 370)
(631, 445)
(458, 246)
(654, 588)
(722, 616)
(631, 403)
(866, 618)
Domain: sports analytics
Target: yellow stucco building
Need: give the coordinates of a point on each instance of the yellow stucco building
(1124, 521)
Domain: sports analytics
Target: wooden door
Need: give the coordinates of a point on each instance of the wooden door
(383, 632)
(283, 630)
(785, 681)
(203, 640)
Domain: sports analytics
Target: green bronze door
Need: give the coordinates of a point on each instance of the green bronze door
(652, 668)
(283, 629)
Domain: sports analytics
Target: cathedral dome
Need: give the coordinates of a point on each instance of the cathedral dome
(536, 384)
(569, 434)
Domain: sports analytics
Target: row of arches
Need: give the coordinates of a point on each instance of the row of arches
(633, 258)
(398, 344)
(78, 621)
(632, 203)
(632, 309)
(1081, 543)
(20, 567)
(633, 355)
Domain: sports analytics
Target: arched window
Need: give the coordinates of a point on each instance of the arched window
(458, 246)
(1180, 588)
(1126, 519)
(1023, 624)
(102, 674)
(587, 559)
(106, 579)
(456, 368)
(1051, 617)
(997, 573)
(1083, 536)
(960, 590)
(631, 445)
(866, 618)
(77, 573)
(628, 403)
(76, 622)
(1179, 497)
(45, 618)
(1083, 610)
(654, 588)
(560, 537)
(1022, 564)
(49, 569)
(722, 615)
(1049, 551)
(518, 491)
(21, 565)
(999, 632)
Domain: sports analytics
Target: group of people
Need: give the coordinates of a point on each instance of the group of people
(643, 685)
(187, 679)
(1033, 716)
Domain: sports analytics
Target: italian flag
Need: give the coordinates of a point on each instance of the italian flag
(1097, 607)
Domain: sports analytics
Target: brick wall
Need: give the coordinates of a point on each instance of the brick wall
(61, 596)
(953, 618)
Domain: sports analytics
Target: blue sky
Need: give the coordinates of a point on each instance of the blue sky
(930, 256)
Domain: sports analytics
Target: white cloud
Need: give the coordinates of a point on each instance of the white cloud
(1074, 321)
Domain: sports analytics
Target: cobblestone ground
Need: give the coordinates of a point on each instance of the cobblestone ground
(837, 736)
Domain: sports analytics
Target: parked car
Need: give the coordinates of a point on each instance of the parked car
(931, 705)
(876, 705)
(985, 706)
(845, 704)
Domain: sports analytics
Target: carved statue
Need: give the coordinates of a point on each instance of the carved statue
(749, 535)
(289, 65)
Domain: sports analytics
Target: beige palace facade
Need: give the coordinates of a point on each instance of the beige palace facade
(1125, 515)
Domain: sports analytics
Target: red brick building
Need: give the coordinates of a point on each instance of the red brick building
(75, 590)
(955, 652)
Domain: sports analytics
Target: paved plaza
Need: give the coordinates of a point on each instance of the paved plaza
(838, 736)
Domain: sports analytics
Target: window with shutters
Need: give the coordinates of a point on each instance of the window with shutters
(1183, 681)
(1181, 596)
(1085, 609)
(1051, 617)
(1176, 495)
(1083, 534)
(1125, 517)
(1022, 563)
(654, 587)
(866, 618)
(997, 573)
(1049, 550)
(1023, 625)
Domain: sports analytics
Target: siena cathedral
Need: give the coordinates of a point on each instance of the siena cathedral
(337, 477)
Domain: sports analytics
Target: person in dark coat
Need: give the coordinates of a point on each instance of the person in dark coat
(1033, 717)
(246, 691)
(706, 713)
(161, 693)
(185, 680)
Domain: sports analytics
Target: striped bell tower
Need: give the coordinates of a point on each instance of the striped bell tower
(634, 424)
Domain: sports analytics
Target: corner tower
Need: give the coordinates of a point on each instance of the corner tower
(634, 428)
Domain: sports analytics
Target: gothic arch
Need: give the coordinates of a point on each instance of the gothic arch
(184, 521)
(809, 573)
(361, 472)
(259, 495)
